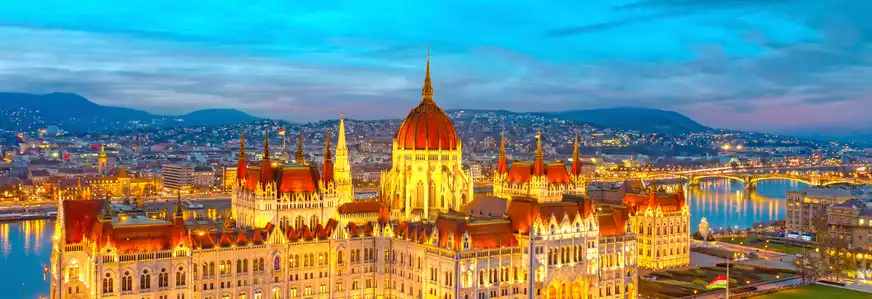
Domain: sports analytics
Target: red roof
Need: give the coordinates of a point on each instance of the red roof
(79, 217)
(427, 127)
(291, 179)
(667, 202)
(524, 211)
(522, 172)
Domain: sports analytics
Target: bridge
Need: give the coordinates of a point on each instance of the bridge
(750, 177)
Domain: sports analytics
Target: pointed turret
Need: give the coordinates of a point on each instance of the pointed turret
(300, 159)
(102, 162)
(539, 163)
(241, 163)
(342, 166)
(178, 212)
(502, 164)
(427, 90)
(327, 171)
(576, 158)
(266, 175)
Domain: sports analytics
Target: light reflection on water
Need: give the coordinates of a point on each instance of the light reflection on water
(25, 246)
(725, 203)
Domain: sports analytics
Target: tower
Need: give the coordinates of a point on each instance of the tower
(342, 167)
(102, 162)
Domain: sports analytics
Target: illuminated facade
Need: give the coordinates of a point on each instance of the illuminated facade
(661, 223)
(427, 175)
(484, 248)
(546, 182)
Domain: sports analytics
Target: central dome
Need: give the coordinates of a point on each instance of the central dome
(427, 126)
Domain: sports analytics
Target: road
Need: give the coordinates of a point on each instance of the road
(777, 284)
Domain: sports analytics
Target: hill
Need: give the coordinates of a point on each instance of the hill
(75, 113)
(640, 119)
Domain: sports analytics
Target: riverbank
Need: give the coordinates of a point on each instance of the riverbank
(49, 210)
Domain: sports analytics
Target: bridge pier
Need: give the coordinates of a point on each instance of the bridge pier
(750, 185)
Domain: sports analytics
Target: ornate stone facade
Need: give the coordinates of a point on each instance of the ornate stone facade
(294, 237)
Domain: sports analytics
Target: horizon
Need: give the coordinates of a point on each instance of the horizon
(785, 67)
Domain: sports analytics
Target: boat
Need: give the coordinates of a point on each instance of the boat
(10, 217)
(32, 215)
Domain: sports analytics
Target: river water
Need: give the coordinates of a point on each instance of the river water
(26, 245)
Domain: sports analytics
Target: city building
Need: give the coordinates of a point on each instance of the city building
(291, 236)
(806, 208)
(537, 179)
(178, 176)
(661, 223)
(203, 177)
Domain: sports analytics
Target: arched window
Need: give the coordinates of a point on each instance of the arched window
(73, 271)
(299, 222)
(261, 265)
(108, 284)
(127, 282)
(277, 263)
(339, 256)
(211, 268)
(355, 285)
(313, 221)
(244, 265)
(258, 295)
(180, 277)
(276, 293)
(242, 295)
(163, 278)
(145, 280)
(238, 266)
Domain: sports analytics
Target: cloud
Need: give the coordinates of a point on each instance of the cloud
(728, 63)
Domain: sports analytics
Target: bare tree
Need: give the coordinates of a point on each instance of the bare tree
(810, 268)
(835, 258)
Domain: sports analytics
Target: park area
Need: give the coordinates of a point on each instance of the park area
(681, 283)
(815, 292)
(766, 244)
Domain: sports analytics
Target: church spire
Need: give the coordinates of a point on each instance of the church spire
(427, 91)
(102, 163)
(300, 159)
(539, 163)
(502, 164)
(342, 167)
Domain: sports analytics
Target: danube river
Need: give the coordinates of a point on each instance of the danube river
(25, 246)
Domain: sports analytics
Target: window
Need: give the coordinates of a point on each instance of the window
(126, 282)
(277, 263)
(108, 284)
(145, 280)
(74, 270)
(180, 277)
(163, 278)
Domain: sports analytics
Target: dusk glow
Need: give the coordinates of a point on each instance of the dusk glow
(754, 65)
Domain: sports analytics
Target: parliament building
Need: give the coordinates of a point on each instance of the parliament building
(296, 231)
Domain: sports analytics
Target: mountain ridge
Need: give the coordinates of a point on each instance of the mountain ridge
(76, 113)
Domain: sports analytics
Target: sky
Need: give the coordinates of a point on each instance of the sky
(760, 65)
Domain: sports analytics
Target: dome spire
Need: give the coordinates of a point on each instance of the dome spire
(427, 91)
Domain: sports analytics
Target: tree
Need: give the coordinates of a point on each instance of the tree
(832, 249)
(809, 267)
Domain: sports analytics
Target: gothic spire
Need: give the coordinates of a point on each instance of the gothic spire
(327, 172)
(502, 164)
(241, 163)
(300, 159)
(576, 158)
(539, 163)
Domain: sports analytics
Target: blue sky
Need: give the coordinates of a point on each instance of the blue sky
(765, 65)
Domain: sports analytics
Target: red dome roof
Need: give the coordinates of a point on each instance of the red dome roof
(427, 127)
